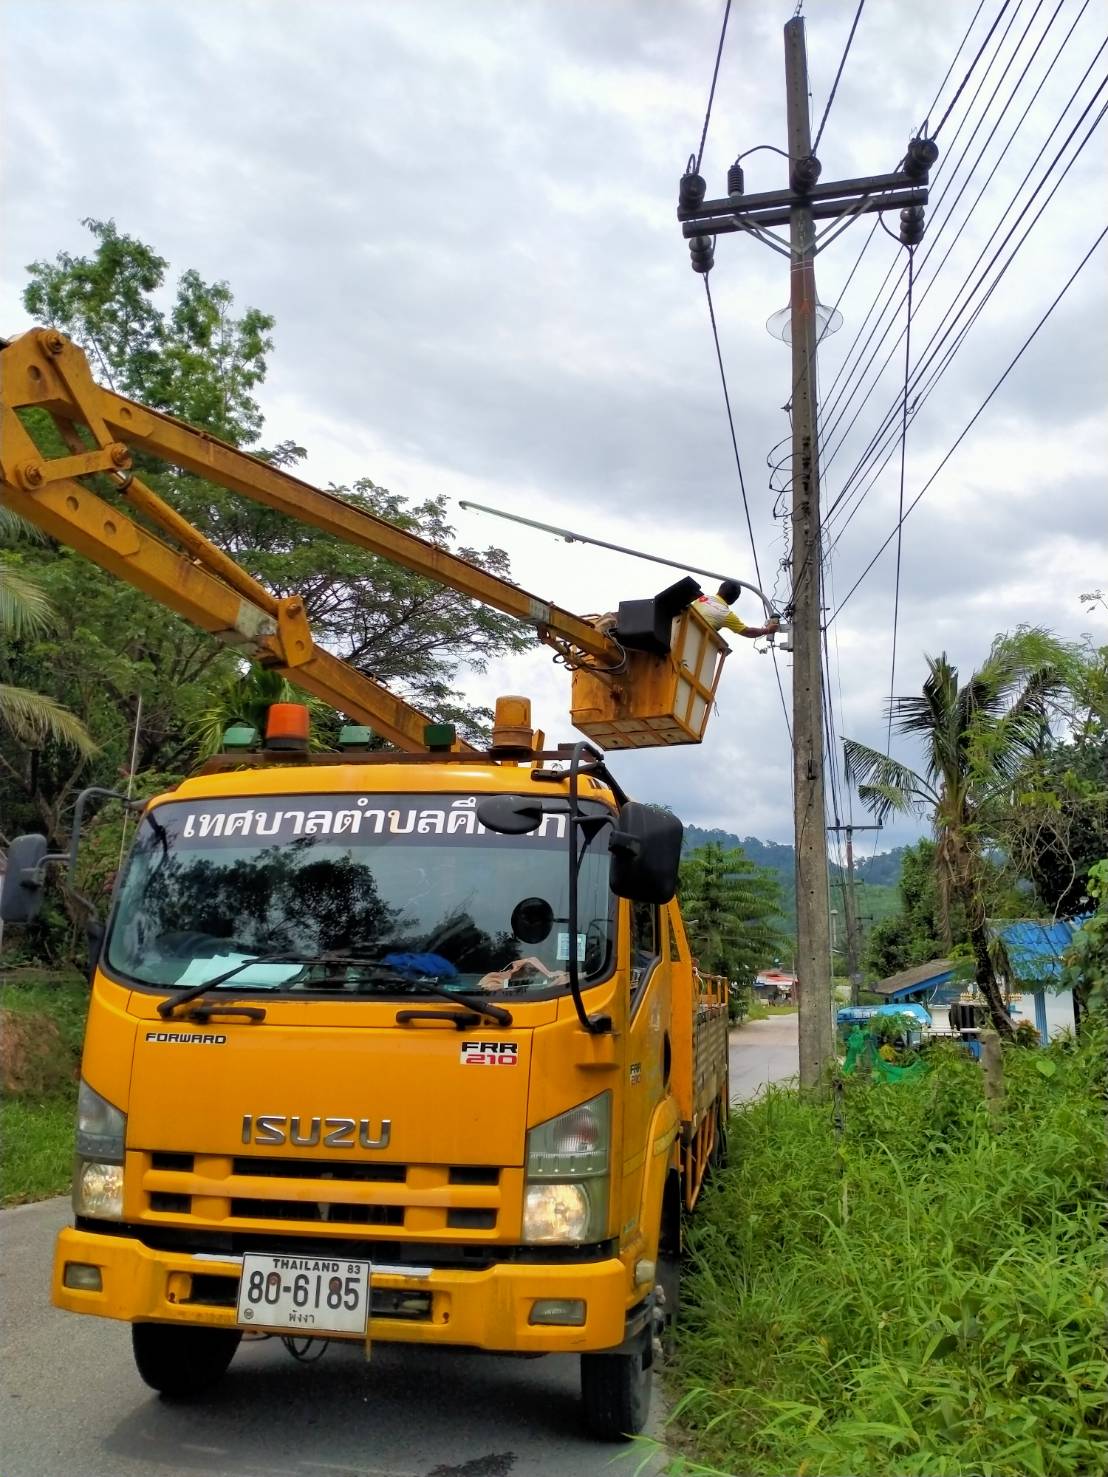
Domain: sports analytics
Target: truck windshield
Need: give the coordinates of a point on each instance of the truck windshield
(378, 893)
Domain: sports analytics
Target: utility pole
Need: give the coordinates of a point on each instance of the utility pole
(850, 908)
(813, 923)
(805, 201)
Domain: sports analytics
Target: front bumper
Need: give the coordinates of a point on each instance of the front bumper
(486, 1309)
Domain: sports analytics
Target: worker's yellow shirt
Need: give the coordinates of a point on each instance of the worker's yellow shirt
(719, 614)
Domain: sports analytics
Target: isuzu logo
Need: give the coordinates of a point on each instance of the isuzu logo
(310, 1133)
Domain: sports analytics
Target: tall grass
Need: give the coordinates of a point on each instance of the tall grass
(906, 1291)
(36, 1130)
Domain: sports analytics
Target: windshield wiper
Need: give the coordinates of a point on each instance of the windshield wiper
(386, 978)
(381, 976)
(282, 956)
(475, 1003)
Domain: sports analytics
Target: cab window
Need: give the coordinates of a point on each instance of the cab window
(644, 945)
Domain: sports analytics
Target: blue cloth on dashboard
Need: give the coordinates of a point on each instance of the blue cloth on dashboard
(421, 964)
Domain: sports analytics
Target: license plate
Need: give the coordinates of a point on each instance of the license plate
(310, 1296)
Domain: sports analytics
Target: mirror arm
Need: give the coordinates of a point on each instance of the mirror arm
(79, 819)
(594, 1025)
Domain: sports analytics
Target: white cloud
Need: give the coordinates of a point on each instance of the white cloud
(463, 220)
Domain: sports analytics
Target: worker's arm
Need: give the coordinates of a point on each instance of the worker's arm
(733, 623)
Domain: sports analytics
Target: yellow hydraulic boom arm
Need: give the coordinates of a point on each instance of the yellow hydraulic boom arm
(44, 369)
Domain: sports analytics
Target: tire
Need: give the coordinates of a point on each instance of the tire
(615, 1391)
(178, 1360)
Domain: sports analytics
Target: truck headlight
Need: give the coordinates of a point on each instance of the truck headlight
(566, 1199)
(556, 1212)
(98, 1190)
(98, 1169)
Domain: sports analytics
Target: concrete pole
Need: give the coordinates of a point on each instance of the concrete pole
(813, 963)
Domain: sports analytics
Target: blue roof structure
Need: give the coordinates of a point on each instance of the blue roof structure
(1035, 947)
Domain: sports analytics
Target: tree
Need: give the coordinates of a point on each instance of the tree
(1054, 825)
(975, 737)
(912, 935)
(202, 363)
(199, 358)
(1085, 962)
(732, 908)
(30, 717)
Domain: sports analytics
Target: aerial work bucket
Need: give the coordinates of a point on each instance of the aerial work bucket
(658, 700)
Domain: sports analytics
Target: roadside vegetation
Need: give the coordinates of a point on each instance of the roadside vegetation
(887, 1284)
(42, 1022)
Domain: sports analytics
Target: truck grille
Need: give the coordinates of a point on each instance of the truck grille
(249, 1192)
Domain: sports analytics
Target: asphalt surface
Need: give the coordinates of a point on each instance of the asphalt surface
(761, 1052)
(74, 1406)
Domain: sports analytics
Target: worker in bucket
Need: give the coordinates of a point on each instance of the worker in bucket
(716, 610)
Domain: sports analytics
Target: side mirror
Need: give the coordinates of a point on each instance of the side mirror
(22, 893)
(510, 815)
(645, 853)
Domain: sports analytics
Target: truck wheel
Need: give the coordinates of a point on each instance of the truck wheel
(179, 1360)
(615, 1391)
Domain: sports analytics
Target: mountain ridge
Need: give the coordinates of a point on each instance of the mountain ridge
(882, 869)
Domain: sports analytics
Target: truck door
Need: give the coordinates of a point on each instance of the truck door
(647, 1056)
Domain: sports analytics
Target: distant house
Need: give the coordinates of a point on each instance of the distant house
(918, 983)
(1033, 948)
(775, 984)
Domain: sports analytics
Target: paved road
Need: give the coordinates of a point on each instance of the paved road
(73, 1405)
(761, 1052)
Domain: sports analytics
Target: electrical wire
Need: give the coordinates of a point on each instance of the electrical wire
(712, 89)
(900, 510)
(949, 163)
(839, 407)
(838, 74)
(847, 394)
(938, 345)
(953, 64)
(973, 419)
(934, 176)
(935, 237)
(939, 338)
(742, 484)
(972, 66)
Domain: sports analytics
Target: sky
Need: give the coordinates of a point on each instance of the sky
(462, 215)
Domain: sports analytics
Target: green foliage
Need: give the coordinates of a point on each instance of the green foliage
(1085, 962)
(917, 1296)
(245, 697)
(976, 737)
(29, 716)
(732, 910)
(107, 836)
(912, 935)
(186, 349)
(876, 877)
(38, 1160)
(38, 1134)
(1054, 826)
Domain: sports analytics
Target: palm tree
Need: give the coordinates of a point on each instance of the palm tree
(25, 611)
(244, 697)
(975, 738)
